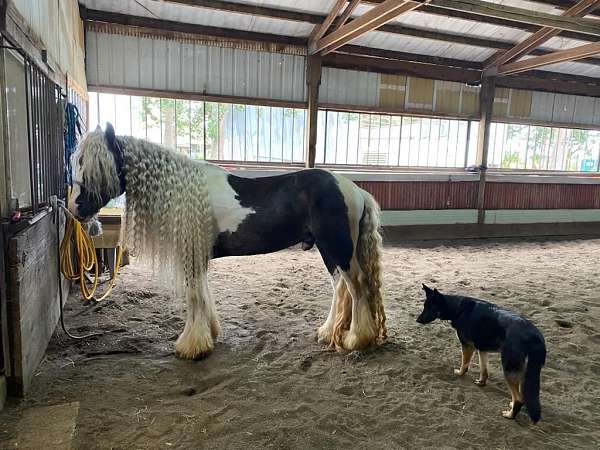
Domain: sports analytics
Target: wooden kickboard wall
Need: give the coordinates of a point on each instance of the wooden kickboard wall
(32, 299)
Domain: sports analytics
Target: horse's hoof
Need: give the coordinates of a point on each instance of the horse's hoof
(324, 335)
(188, 357)
(352, 341)
(194, 350)
(194, 355)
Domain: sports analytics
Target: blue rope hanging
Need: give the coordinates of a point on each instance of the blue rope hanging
(73, 127)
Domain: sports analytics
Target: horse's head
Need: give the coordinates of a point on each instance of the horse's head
(98, 173)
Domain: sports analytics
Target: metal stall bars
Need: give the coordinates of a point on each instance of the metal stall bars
(45, 127)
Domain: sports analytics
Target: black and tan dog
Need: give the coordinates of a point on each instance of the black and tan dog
(483, 326)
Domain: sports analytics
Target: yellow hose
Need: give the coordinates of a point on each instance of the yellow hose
(86, 259)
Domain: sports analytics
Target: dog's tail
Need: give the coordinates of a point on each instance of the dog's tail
(536, 358)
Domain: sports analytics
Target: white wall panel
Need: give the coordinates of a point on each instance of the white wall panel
(349, 87)
(183, 65)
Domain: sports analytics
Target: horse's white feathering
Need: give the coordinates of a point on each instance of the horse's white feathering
(169, 219)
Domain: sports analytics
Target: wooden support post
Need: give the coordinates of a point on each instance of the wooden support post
(313, 80)
(486, 106)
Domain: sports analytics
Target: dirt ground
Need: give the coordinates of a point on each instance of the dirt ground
(268, 384)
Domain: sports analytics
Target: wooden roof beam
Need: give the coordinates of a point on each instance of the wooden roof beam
(319, 30)
(404, 30)
(571, 54)
(381, 65)
(371, 20)
(346, 14)
(562, 4)
(510, 16)
(580, 9)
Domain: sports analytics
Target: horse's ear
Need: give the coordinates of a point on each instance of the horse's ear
(109, 135)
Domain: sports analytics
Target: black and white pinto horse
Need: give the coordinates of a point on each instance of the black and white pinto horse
(256, 216)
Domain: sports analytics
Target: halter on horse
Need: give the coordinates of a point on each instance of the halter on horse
(181, 213)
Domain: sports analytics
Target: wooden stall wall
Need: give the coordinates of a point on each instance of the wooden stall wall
(32, 298)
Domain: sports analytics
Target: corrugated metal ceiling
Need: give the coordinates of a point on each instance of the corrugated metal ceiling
(376, 39)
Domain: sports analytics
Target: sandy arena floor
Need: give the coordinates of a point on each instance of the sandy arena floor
(270, 385)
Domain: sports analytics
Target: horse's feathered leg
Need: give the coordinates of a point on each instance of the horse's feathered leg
(361, 331)
(325, 331)
(201, 326)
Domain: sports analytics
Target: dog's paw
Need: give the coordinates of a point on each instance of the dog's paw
(480, 382)
(460, 372)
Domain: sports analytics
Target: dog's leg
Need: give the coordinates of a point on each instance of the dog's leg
(513, 380)
(483, 369)
(467, 354)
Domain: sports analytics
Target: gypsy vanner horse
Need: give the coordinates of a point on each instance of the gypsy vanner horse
(181, 213)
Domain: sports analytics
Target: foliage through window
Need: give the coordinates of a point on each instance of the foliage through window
(206, 130)
(514, 146)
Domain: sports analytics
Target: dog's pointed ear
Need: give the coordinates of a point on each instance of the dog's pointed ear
(427, 290)
(437, 293)
(98, 128)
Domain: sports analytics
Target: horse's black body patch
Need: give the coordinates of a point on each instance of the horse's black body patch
(305, 206)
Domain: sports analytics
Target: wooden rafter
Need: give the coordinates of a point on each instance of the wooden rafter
(371, 20)
(346, 14)
(428, 67)
(380, 65)
(510, 16)
(403, 30)
(571, 54)
(285, 14)
(562, 4)
(539, 37)
(319, 30)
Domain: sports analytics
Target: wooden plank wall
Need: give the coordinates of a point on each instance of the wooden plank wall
(541, 196)
(409, 195)
(417, 195)
(32, 299)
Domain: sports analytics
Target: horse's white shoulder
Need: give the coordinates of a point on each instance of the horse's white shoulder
(228, 211)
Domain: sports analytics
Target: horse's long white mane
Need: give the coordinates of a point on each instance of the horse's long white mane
(169, 218)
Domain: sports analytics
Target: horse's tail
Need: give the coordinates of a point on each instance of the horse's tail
(369, 256)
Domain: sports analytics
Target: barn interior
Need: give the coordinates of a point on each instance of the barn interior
(474, 124)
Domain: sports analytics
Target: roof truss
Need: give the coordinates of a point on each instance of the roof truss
(405, 30)
(539, 37)
(571, 54)
(372, 19)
